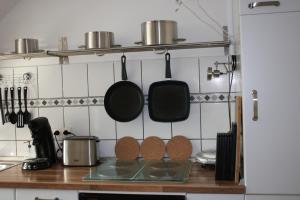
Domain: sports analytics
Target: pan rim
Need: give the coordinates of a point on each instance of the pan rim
(114, 87)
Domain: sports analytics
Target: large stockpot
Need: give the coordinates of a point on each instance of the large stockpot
(159, 32)
(26, 45)
(98, 40)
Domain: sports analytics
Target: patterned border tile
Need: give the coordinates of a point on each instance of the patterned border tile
(99, 100)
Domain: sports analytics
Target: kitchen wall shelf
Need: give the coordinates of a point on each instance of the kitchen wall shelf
(225, 44)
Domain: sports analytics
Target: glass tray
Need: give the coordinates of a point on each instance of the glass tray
(141, 171)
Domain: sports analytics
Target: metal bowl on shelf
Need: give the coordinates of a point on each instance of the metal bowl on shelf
(159, 32)
(99, 40)
(26, 45)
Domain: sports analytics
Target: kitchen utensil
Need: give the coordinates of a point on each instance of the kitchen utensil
(12, 116)
(1, 108)
(169, 101)
(26, 45)
(124, 100)
(207, 157)
(26, 114)
(20, 119)
(127, 148)
(6, 104)
(80, 151)
(179, 148)
(99, 40)
(159, 32)
(153, 148)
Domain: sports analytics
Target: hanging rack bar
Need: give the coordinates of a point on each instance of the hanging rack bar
(141, 48)
(77, 52)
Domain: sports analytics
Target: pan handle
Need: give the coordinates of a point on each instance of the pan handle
(168, 65)
(124, 73)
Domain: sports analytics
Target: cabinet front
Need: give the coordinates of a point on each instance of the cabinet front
(270, 70)
(268, 6)
(34, 194)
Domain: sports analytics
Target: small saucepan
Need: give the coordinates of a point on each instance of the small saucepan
(159, 32)
(26, 45)
(99, 40)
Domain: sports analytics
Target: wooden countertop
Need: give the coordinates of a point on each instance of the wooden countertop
(57, 177)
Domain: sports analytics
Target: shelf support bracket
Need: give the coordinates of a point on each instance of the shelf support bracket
(62, 46)
(226, 39)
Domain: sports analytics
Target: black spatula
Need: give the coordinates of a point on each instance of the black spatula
(13, 116)
(27, 115)
(6, 104)
(20, 122)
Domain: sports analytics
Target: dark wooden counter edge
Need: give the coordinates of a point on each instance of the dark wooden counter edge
(54, 179)
(128, 187)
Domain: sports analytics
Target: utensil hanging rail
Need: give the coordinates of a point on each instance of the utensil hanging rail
(77, 52)
(224, 44)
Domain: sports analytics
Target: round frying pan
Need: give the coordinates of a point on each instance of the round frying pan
(124, 100)
(169, 101)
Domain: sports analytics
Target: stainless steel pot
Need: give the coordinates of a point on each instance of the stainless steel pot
(99, 40)
(159, 32)
(26, 45)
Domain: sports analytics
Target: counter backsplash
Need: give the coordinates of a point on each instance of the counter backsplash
(71, 97)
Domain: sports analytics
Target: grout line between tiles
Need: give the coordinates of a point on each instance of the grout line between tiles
(88, 91)
(142, 87)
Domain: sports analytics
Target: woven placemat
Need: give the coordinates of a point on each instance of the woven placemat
(153, 148)
(127, 148)
(179, 148)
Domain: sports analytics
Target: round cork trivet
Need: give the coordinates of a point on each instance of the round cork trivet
(127, 148)
(153, 148)
(179, 148)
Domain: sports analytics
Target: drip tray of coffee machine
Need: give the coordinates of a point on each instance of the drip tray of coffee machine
(36, 164)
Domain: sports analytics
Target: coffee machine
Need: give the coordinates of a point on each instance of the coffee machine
(41, 134)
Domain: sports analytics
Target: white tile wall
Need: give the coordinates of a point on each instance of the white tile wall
(187, 70)
(101, 77)
(50, 81)
(93, 80)
(75, 82)
(102, 125)
(214, 119)
(7, 132)
(7, 148)
(77, 120)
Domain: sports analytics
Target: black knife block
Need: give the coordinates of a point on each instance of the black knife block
(225, 155)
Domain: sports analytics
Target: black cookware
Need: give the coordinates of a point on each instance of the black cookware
(169, 101)
(12, 116)
(124, 100)
(1, 108)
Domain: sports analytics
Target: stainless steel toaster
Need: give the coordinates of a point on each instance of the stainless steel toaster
(80, 151)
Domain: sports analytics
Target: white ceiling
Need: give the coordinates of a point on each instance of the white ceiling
(6, 6)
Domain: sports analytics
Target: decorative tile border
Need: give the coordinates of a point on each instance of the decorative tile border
(99, 100)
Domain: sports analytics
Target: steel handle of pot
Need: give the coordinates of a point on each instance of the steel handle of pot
(123, 63)
(37, 198)
(263, 3)
(82, 46)
(139, 42)
(179, 40)
(168, 65)
(255, 105)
